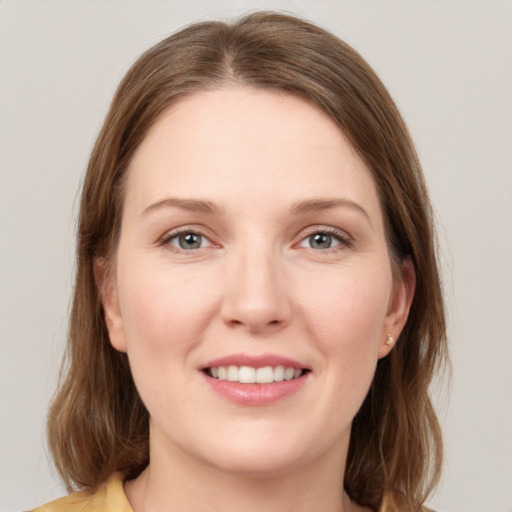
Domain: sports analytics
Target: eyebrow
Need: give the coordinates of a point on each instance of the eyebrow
(299, 208)
(191, 205)
(315, 205)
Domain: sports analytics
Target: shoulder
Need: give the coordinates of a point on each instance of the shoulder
(107, 497)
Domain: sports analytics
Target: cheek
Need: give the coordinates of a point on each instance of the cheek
(164, 317)
(346, 318)
(163, 310)
(347, 306)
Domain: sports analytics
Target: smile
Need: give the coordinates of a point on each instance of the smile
(252, 375)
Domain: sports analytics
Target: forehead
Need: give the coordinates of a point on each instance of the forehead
(217, 144)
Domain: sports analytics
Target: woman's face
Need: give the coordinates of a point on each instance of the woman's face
(252, 248)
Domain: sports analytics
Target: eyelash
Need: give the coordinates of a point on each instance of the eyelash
(168, 237)
(340, 236)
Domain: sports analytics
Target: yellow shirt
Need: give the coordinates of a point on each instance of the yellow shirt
(108, 497)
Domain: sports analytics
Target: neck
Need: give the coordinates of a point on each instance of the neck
(179, 482)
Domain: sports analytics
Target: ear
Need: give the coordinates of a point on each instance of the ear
(107, 288)
(399, 306)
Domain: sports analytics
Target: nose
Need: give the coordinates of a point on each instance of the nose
(257, 297)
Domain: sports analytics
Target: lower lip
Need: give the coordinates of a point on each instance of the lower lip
(256, 394)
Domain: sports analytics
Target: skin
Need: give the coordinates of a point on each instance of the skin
(257, 284)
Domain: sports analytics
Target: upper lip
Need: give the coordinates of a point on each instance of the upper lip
(255, 361)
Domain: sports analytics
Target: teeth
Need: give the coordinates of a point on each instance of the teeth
(246, 375)
(232, 374)
(250, 375)
(279, 373)
(265, 375)
(288, 373)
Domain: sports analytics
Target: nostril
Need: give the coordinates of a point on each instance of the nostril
(254, 312)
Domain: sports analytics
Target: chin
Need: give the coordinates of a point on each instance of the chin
(257, 464)
(261, 454)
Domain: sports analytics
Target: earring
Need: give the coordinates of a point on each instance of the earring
(390, 340)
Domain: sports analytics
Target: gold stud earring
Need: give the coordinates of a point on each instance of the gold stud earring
(390, 340)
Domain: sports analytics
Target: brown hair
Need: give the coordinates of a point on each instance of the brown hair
(97, 422)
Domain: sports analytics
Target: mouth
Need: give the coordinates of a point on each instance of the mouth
(254, 375)
(255, 380)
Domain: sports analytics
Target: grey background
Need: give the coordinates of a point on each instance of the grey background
(447, 63)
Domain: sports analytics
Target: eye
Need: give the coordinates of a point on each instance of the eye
(324, 239)
(186, 240)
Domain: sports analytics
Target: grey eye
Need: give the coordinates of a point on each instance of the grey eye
(188, 241)
(320, 241)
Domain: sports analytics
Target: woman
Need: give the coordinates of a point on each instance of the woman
(257, 312)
